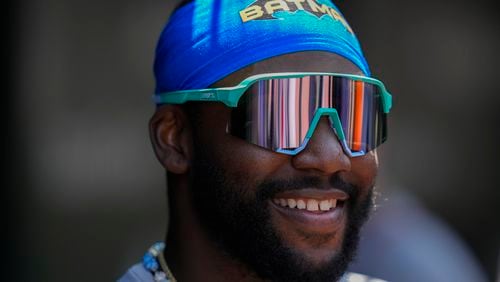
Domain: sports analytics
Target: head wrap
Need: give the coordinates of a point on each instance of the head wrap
(206, 40)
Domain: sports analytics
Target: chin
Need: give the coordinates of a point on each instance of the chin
(319, 258)
(316, 250)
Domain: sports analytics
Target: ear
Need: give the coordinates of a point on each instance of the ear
(171, 138)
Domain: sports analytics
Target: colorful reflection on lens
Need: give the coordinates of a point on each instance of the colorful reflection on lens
(276, 113)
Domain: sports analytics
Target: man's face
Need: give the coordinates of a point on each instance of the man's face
(243, 194)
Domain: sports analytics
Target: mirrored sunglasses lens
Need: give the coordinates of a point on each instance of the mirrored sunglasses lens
(276, 114)
(359, 106)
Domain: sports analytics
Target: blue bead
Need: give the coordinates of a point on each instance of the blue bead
(150, 262)
(159, 246)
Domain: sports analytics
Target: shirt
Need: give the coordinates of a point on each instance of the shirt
(138, 273)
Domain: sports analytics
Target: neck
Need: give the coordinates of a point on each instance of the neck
(189, 252)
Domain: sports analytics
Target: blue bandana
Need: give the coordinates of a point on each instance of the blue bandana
(206, 40)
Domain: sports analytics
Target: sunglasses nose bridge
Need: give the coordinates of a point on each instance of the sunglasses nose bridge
(323, 153)
(333, 116)
(336, 125)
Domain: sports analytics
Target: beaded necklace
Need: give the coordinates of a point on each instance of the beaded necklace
(154, 261)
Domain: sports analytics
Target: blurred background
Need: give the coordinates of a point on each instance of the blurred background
(86, 196)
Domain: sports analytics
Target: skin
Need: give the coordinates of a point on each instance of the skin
(191, 255)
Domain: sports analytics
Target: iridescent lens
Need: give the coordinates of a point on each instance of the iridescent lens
(277, 113)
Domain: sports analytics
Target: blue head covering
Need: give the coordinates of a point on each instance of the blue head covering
(206, 40)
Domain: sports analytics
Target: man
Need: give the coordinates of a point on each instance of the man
(267, 124)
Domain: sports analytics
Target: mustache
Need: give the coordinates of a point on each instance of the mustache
(268, 189)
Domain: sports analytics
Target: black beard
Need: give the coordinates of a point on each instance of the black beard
(238, 221)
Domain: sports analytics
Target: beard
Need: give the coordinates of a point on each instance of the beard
(235, 214)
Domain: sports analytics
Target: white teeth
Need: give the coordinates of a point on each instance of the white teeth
(301, 204)
(333, 203)
(325, 205)
(283, 202)
(312, 205)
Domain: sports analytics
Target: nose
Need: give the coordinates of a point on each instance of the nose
(323, 152)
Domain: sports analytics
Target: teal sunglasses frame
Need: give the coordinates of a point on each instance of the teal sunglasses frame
(231, 95)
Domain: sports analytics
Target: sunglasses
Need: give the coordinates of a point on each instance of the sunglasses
(280, 111)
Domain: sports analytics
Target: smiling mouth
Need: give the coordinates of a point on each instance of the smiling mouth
(311, 205)
(311, 199)
(316, 210)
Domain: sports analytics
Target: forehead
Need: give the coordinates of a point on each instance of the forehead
(307, 61)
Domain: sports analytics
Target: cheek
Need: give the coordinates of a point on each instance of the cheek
(245, 162)
(364, 170)
(240, 160)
